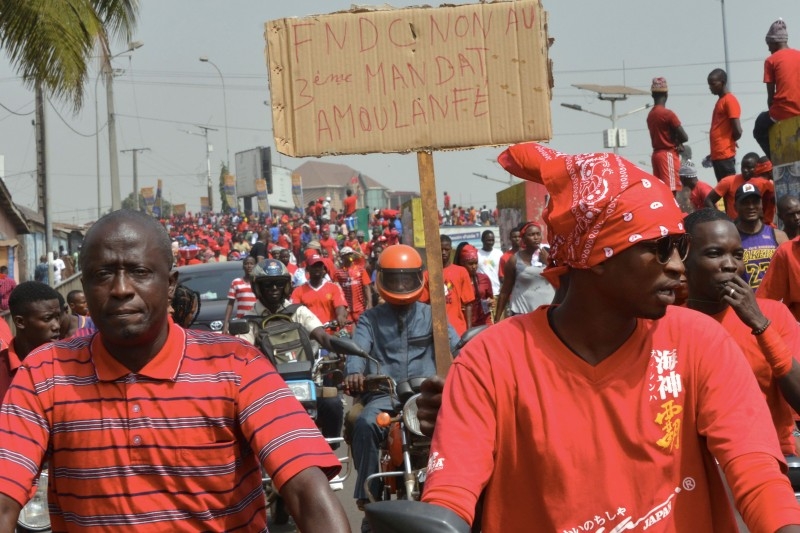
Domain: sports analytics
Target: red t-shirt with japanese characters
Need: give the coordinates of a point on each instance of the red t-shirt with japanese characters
(556, 444)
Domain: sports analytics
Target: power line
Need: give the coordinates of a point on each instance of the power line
(16, 113)
(67, 124)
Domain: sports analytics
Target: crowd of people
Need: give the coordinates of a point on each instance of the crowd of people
(665, 343)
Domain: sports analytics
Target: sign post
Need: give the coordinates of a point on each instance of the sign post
(411, 80)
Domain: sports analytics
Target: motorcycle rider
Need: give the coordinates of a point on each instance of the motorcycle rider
(272, 285)
(399, 335)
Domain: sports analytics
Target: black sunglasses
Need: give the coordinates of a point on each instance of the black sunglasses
(665, 245)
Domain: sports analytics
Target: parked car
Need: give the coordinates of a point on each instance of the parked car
(212, 281)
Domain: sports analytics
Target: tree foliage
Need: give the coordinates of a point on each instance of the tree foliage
(51, 41)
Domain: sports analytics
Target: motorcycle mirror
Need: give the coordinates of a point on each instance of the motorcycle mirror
(401, 516)
(238, 326)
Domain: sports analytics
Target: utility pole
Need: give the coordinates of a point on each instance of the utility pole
(135, 152)
(41, 181)
(209, 149)
(116, 202)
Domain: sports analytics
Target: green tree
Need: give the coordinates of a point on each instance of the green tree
(51, 42)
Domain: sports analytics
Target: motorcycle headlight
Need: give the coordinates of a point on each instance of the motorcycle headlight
(410, 415)
(304, 391)
(35, 516)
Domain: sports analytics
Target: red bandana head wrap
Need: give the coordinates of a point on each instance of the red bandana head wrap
(600, 204)
(469, 253)
(762, 168)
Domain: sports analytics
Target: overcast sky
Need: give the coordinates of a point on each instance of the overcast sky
(165, 91)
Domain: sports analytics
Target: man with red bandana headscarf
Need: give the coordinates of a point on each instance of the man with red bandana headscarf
(607, 411)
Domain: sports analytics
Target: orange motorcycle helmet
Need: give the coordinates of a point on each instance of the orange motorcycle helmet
(399, 279)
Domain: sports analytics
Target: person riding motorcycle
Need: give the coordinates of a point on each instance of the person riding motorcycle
(272, 285)
(399, 335)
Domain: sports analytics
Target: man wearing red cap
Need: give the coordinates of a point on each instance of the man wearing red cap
(616, 367)
(666, 135)
(323, 298)
(727, 187)
(759, 240)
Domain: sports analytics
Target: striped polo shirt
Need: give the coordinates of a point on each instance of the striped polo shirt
(175, 446)
(242, 292)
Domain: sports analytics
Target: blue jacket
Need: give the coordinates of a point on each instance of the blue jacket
(400, 338)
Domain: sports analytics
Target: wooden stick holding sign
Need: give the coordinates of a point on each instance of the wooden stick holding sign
(433, 256)
(411, 80)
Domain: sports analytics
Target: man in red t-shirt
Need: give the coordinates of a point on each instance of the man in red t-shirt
(726, 189)
(328, 243)
(349, 207)
(666, 135)
(355, 282)
(614, 364)
(458, 291)
(516, 238)
(782, 76)
(323, 298)
(700, 189)
(765, 330)
(726, 128)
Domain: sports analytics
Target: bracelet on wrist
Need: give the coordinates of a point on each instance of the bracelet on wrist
(762, 329)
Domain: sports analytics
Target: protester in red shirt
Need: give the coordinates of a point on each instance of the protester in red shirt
(186, 402)
(782, 76)
(700, 189)
(765, 330)
(666, 135)
(323, 298)
(355, 282)
(515, 238)
(726, 128)
(726, 189)
(7, 285)
(458, 291)
(614, 364)
(240, 294)
(349, 204)
(36, 312)
(467, 257)
(328, 243)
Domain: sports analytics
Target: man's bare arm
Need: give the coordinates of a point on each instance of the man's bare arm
(9, 513)
(312, 504)
(712, 199)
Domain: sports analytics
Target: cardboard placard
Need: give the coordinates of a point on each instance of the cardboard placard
(410, 79)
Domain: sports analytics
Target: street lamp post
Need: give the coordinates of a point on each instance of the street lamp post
(725, 43)
(116, 202)
(205, 59)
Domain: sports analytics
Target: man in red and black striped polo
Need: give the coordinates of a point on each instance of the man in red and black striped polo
(149, 426)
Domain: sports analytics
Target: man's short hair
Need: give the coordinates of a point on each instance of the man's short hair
(3, 269)
(486, 233)
(148, 223)
(27, 293)
(72, 295)
(446, 238)
(719, 73)
(702, 216)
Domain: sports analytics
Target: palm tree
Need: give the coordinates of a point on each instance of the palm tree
(50, 42)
